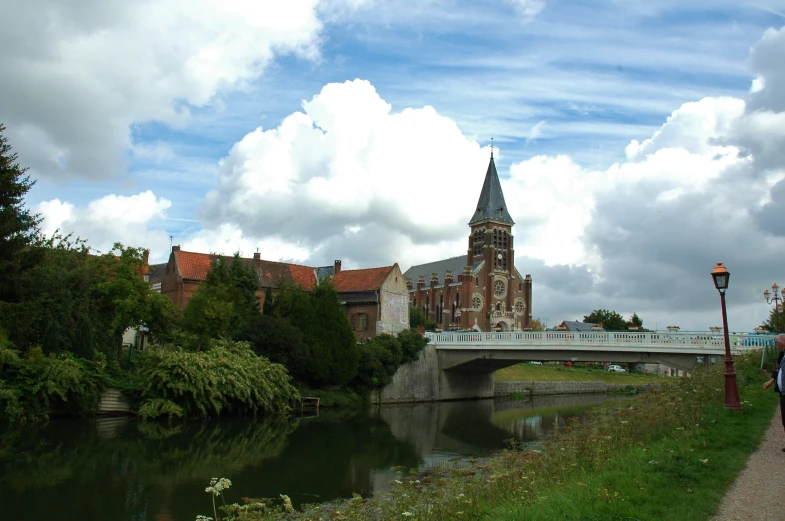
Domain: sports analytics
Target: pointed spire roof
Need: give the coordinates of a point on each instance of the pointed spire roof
(491, 206)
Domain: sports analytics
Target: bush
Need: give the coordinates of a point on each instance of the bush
(412, 342)
(380, 357)
(228, 376)
(37, 384)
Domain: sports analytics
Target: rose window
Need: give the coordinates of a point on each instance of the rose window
(499, 288)
(477, 303)
(520, 307)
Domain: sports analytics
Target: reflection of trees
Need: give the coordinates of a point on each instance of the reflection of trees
(148, 469)
(162, 455)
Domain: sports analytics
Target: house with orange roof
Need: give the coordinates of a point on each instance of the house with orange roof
(375, 300)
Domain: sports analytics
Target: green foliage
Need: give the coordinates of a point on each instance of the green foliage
(227, 377)
(18, 227)
(412, 342)
(417, 318)
(268, 309)
(36, 384)
(333, 353)
(124, 295)
(278, 340)
(776, 321)
(612, 321)
(225, 303)
(380, 357)
(157, 408)
(73, 301)
(635, 321)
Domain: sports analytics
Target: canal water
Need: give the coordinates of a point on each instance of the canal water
(122, 469)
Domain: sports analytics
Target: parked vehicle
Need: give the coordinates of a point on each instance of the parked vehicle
(535, 363)
(616, 368)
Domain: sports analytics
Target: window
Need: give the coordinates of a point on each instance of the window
(360, 321)
(499, 288)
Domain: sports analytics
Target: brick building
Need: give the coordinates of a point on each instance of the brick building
(374, 300)
(483, 289)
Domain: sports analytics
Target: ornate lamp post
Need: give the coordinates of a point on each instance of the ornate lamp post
(721, 275)
(774, 296)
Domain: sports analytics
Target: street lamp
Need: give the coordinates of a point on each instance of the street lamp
(721, 276)
(775, 297)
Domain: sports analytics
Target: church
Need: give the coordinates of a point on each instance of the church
(482, 290)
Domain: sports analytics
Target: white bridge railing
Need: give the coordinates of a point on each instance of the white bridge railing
(600, 339)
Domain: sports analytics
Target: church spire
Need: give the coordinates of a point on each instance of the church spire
(491, 205)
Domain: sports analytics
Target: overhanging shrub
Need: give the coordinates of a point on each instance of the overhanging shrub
(227, 377)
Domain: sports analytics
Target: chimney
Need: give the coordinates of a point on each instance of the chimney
(257, 256)
(146, 257)
(337, 265)
(176, 248)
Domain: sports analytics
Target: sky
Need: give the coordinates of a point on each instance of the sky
(638, 143)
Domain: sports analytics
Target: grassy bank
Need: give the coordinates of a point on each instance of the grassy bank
(556, 373)
(669, 454)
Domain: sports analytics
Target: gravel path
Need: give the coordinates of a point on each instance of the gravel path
(758, 494)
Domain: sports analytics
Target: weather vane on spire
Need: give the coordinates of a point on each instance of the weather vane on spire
(491, 148)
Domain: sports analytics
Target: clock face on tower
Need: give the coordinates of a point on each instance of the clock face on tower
(499, 288)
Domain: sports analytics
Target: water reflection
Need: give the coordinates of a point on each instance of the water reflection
(123, 469)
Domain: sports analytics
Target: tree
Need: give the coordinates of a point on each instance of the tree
(635, 321)
(73, 301)
(538, 325)
(333, 353)
(18, 227)
(225, 303)
(277, 339)
(417, 317)
(776, 321)
(610, 320)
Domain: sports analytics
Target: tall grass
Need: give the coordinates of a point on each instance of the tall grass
(669, 454)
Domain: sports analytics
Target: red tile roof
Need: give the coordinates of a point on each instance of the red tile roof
(194, 266)
(369, 279)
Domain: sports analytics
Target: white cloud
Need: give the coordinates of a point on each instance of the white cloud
(131, 220)
(348, 160)
(78, 74)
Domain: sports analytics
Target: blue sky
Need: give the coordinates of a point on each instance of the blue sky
(117, 104)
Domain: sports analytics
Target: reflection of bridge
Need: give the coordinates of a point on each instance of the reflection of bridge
(461, 364)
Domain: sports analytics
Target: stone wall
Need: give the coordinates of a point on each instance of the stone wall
(505, 389)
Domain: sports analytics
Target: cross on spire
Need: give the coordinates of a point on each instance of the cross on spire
(491, 148)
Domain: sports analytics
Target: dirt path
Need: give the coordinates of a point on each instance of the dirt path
(758, 494)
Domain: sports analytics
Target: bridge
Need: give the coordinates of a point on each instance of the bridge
(459, 365)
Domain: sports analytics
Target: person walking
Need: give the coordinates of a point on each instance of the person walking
(777, 376)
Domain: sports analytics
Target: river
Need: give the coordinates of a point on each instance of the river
(122, 469)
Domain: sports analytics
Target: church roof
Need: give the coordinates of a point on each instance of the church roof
(455, 264)
(491, 205)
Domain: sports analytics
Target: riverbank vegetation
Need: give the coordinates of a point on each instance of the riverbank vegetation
(556, 373)
(669, 454)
